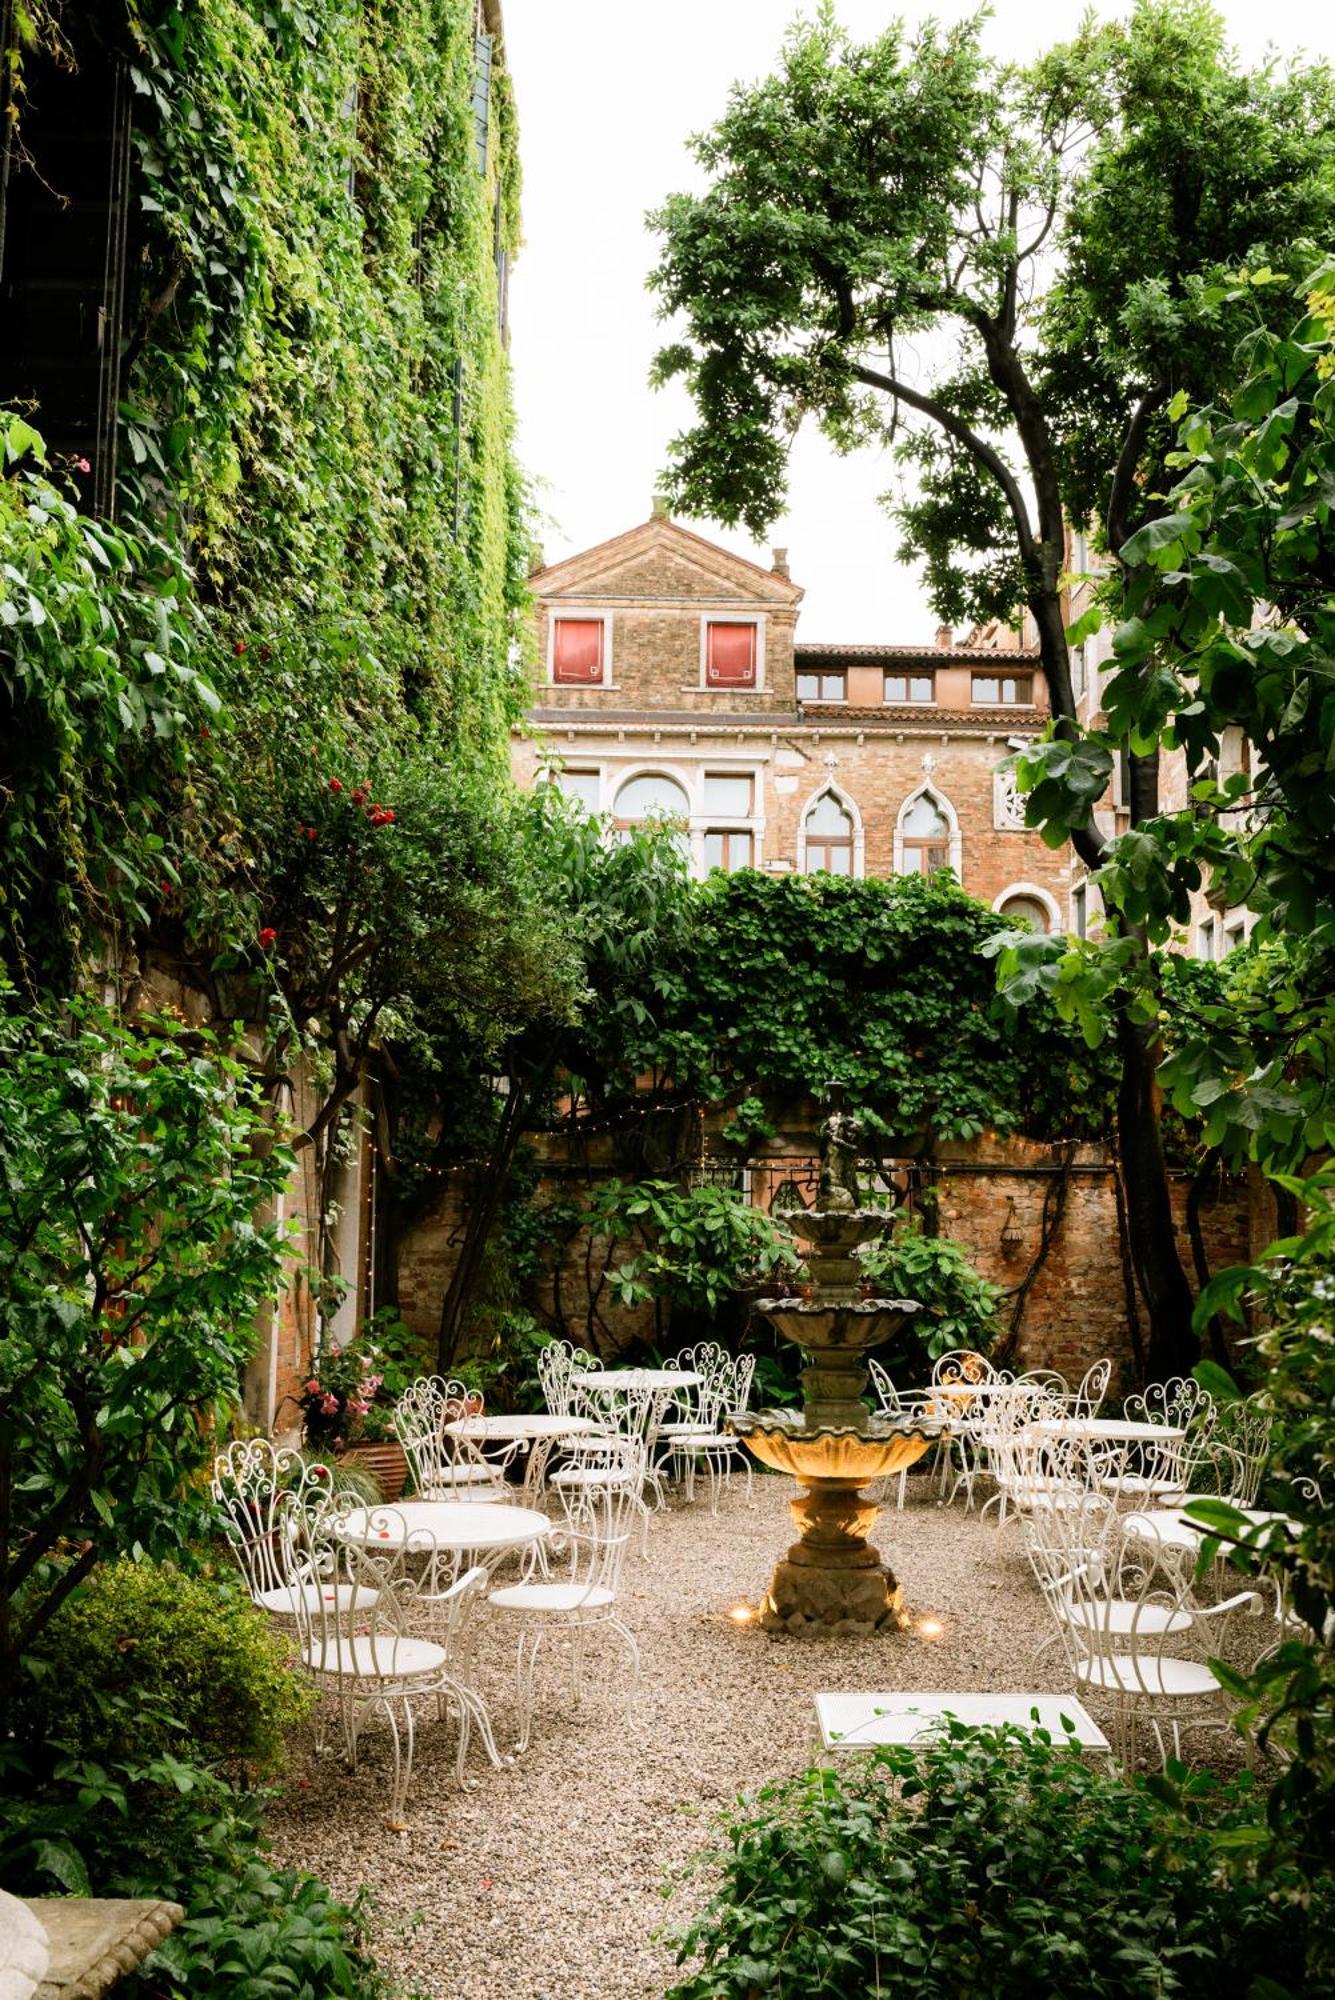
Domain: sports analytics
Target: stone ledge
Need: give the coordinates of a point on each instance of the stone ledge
(94, 1941)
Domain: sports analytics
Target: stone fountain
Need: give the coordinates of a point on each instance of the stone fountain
(832, 1580)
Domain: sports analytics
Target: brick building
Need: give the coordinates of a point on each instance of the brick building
(671, 680)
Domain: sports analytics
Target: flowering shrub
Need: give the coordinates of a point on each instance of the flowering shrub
(337, 1399)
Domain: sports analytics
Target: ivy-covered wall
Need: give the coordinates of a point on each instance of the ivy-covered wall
(315, 424)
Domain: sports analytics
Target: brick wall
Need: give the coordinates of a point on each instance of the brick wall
(1075, 1309)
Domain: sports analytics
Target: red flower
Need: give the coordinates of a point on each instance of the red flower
(266, 937)
(358, 795)
(204, 730)
(336, 784)
(165, 887)
(311, 833)
(238, 647)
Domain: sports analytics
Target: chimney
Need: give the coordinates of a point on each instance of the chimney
(659, 509)
(945, 638)
(779, 563)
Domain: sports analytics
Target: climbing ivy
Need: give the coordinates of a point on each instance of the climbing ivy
(317, 495)
(789, 981)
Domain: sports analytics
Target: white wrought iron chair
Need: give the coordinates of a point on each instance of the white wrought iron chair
(1060, 1540)
(690, 1411)
(559, 1363)
(443, 1465)
(956, 1375)
(710, 1445)
(1159, 1473)
(580, 1603)
(267, 1500)
(1087, 1399)
(597, 1463)
(1020, 1457)
(893, 1404)
(363, 1651)
(1138, 1641)
(1244, 1427)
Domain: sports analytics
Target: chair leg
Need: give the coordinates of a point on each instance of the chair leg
(530, 1643)
(403, 1756)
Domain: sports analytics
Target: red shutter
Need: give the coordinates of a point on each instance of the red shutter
(577, 651)
(730, 656)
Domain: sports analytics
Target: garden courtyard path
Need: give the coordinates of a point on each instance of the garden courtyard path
(542, 1881)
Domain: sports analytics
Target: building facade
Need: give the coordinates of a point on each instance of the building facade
(671, 681)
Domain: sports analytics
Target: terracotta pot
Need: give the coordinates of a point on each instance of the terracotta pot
(386, 1462)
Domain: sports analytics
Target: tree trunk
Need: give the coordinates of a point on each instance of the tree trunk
(485, 1208)
(1173, 1348)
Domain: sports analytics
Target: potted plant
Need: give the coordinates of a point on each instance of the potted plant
(341, 1413)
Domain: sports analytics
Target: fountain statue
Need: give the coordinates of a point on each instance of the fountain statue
(831, 1579)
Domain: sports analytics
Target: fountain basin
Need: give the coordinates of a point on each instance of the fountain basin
(842, 1452)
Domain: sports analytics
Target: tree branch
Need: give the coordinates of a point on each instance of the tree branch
(977, 447)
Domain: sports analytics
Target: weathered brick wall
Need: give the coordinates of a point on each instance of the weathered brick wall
(1075, 1309)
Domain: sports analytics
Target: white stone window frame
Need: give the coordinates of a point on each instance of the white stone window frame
(850, 806)
(594, 767)
(948, 814)
(704, 821)
(755, 618)
(1041, 896)
(691, 778)
(585, 615)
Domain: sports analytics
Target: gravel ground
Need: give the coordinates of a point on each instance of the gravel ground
(543, 1879)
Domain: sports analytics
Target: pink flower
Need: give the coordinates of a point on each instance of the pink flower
(82, 465)
(312, 1387)
(329, 1404)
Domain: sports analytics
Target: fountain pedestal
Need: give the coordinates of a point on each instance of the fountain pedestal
(832, 1580)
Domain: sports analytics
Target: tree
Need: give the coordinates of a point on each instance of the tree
(1052, 233)
(132, 1164)
(627, 904)
(1225, 633)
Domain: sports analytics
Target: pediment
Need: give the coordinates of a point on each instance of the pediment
(661, 559)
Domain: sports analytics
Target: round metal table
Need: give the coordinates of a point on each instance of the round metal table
(541, 1430)
(452, 1527)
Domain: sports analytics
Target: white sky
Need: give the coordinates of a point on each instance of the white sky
(609, 91)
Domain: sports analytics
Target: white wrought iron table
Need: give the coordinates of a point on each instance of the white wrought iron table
(541, 1430)
(466, 1528)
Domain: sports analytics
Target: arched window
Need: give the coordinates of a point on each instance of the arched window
(1026, 911)
(1025, 903)
(653, 795)
(925, 836)
(829, 837)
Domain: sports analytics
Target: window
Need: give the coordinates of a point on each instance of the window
(1025, 911)
(910, 688)
(577, 652)
(1235, 934)
(730, 654)
(728, 794)
(1003, 690)
(828, 685)
(583, 787)
(1207, 939)
(1080, 910)
(829, 831)
(654, 796)
(926, 838)
(727, 848)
